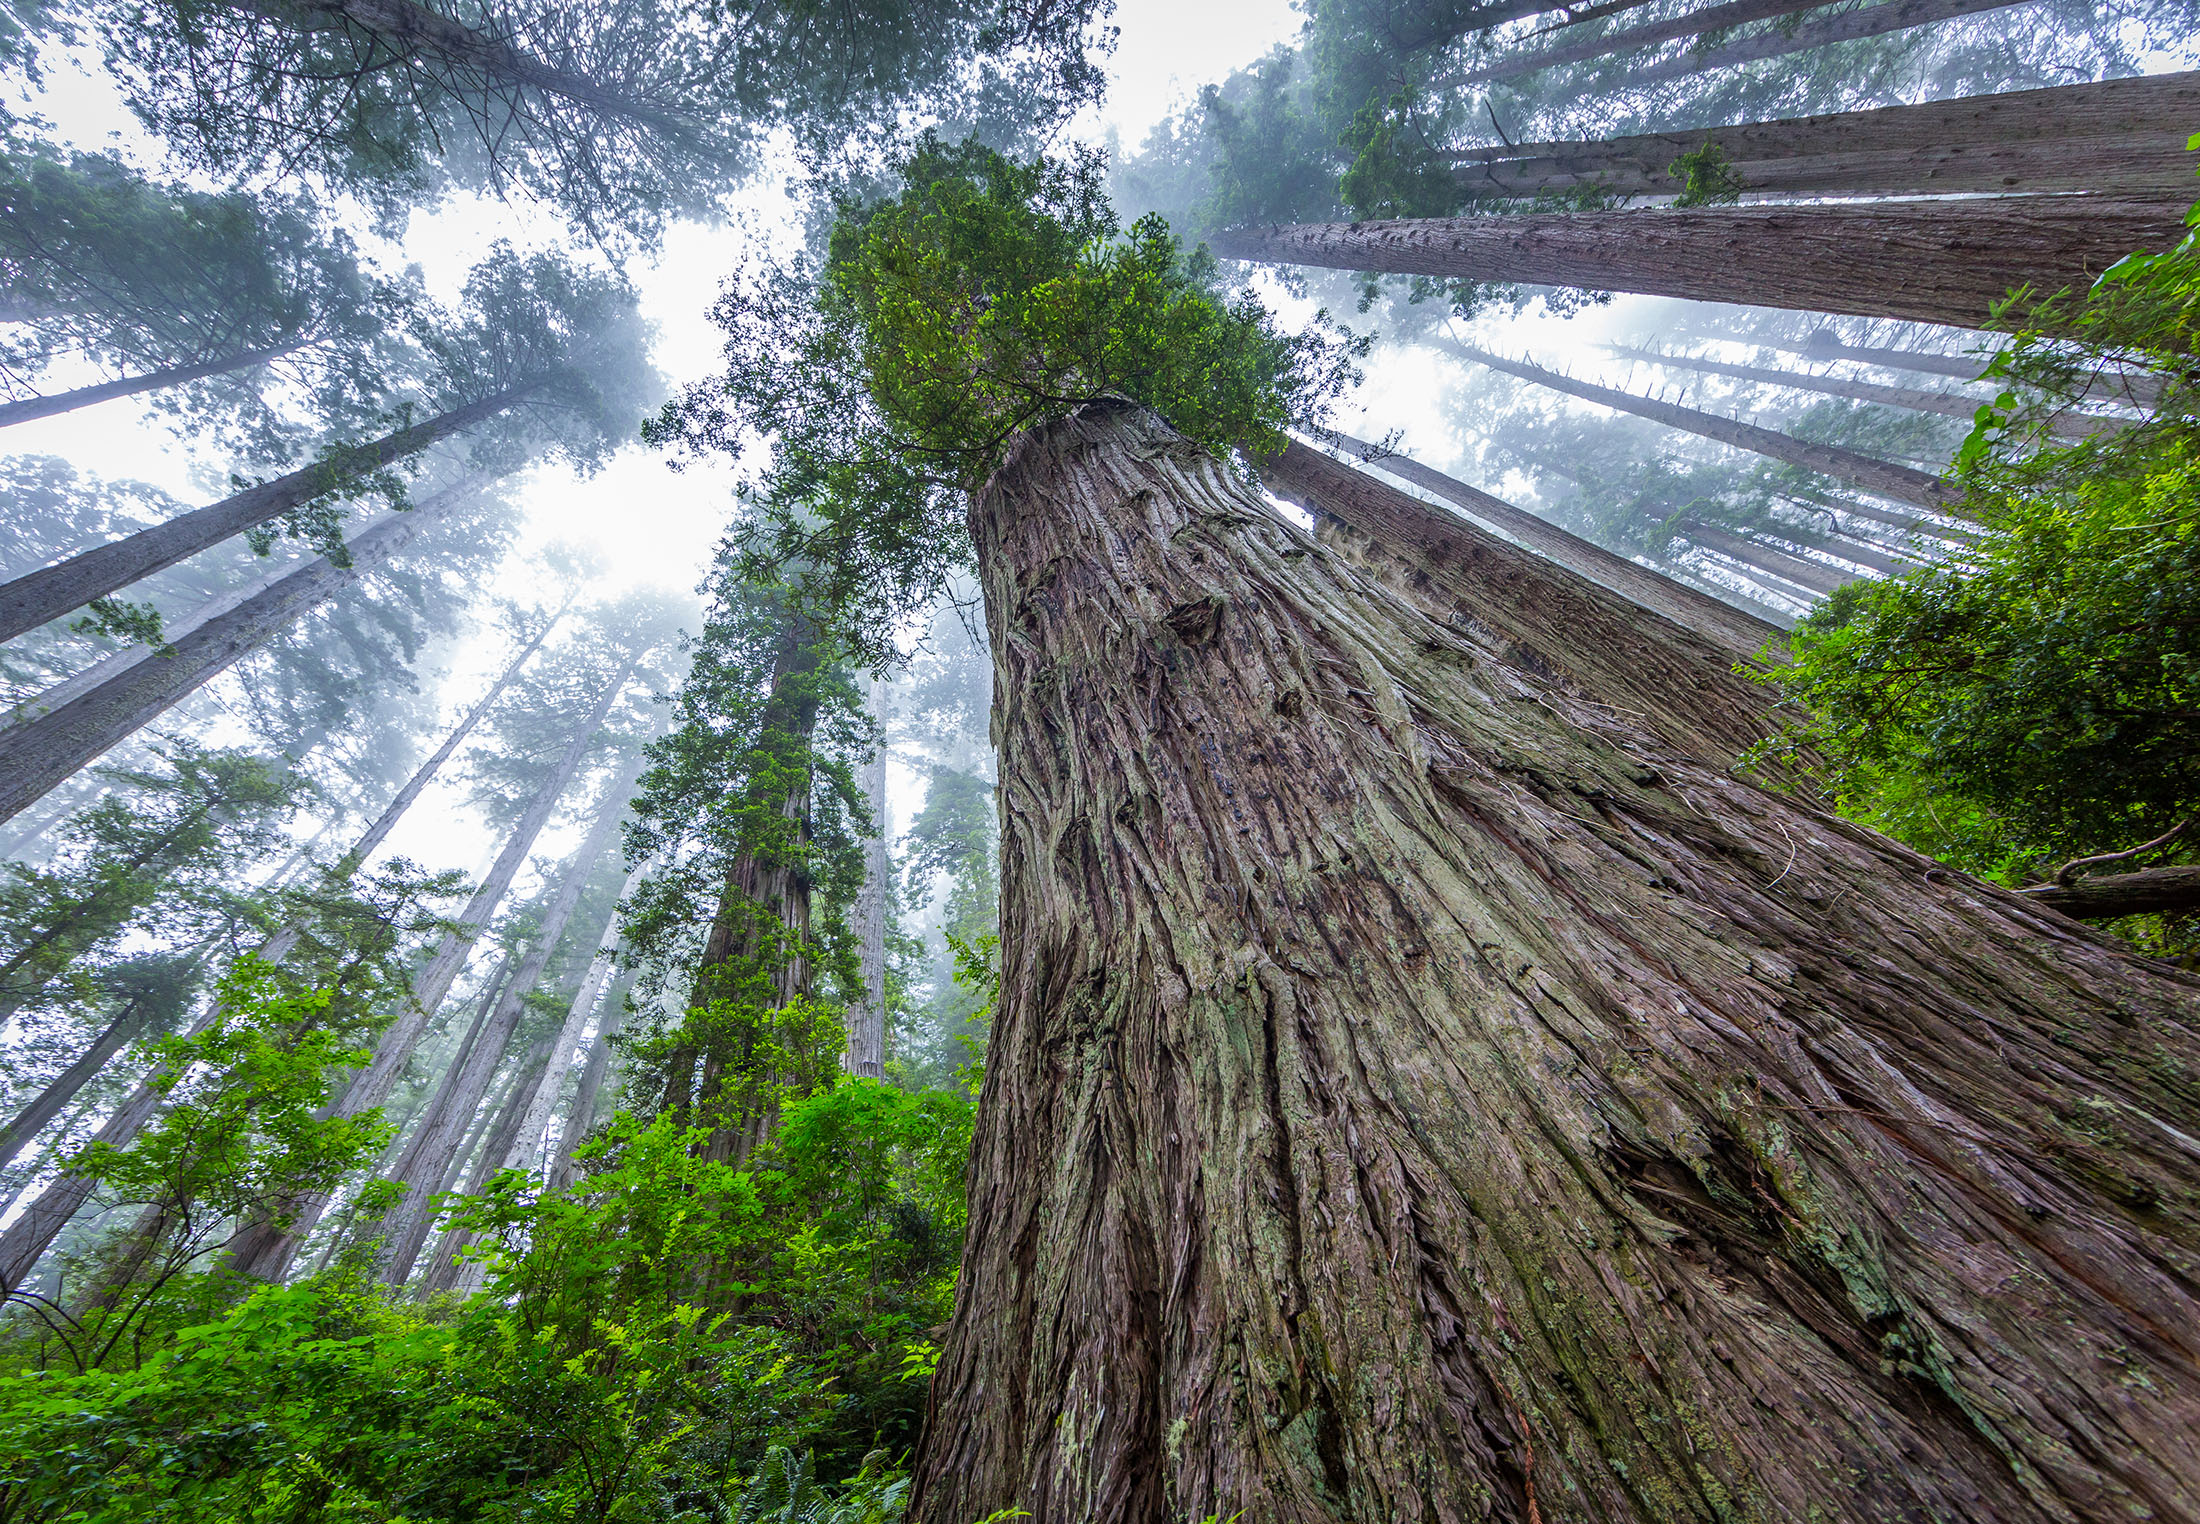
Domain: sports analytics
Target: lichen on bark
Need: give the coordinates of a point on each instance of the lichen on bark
(1419, 1094)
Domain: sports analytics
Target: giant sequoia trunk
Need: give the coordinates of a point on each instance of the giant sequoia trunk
(2117, 135)
(1925, 261)
(1902, 483)
(35, 597)
(1418, 1095)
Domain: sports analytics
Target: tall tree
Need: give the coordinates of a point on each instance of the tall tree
(2123, 136)
(534, 336)
(168, 287)
(39, 753)
(1901, 483)
(1146, 1214)
(867, 1014)
(1946, 404)
(1927, 261)
(1694, 23)
(1736, 631)
(267, 1248)
(434, 1149)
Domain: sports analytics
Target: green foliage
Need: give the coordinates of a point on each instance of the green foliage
(988, 297)
(2034, 699)
(1707, 177)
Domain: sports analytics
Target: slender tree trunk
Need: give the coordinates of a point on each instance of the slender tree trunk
(1741, 634)
(1901, 483)
(425, 773)
(446, 1269)
(132, 386)
(1535, 614)
(867, 1020)
(2106, 896)
(534, 1126)
(588, 1092)
(2136, 391)
(2066, 426)
(1710, 19)
(39, 753)
(1816, 576)
(1848, 26)
(48, 593)
(436, 1142)
(1417, 1095)
(48, 1103)
(266, 1250)
(1924, 261)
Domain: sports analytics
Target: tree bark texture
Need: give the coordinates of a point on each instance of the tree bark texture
(867, 1021)
(2121, 136)
(1947, 405)
(587, 1092)
(435, 1144)
(1735, 631)
(1849, 26)
(1418, 1095)
(144, 683)
(56, 403)
(35, 597)
(266, 1250)
(1571, 632)
(1711, 18)
(2105, 896)
(1902, 483)
(1924, 261)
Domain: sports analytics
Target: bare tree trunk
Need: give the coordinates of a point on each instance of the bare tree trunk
(1758, 556)
(2137, 390)
(867, 1021)
(1924, 261)
(1571, 632)
(56, 403)
(1947, 405)
(1417, 1095)
(1733, 630)
(435, 1143)
(445, 1267)
(1710, 19)
(48, 593)
(48, 1103)
(144, 684)
(1860, 470)
(268, 1248)
(2106, 896)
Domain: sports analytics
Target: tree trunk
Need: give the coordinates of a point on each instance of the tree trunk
(587, 1093)
(1814, 576)
(2066, 425)
(1417, 1095)
(1848, 26)
(53, 405)
(1710, 19)
(1741, 634)
(500, 1132)
(144, 684)
(48, 593)
(2105, 896)
(425, 773)
(1543, 618)
(435, 1143)
(534, 1123)
(1924, 261)
(48, 1103)
(1901, 483)
(2120, 136)
(867, 1020)
(2136, 391)
(266, 1250)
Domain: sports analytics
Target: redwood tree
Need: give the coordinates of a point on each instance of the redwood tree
(1416, 1094)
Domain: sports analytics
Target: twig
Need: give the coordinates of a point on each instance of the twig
(2067, 873)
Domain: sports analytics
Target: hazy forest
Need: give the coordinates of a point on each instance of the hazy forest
(1398, 761)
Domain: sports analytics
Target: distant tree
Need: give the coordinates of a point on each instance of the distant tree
(552, 357)
(192, 299)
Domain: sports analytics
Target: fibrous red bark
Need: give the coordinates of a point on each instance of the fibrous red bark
(1416, 1094)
